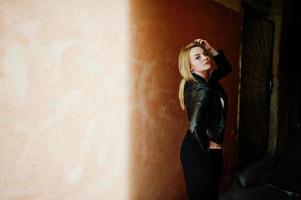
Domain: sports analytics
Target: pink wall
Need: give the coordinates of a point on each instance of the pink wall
(158, 30)
(64, 87)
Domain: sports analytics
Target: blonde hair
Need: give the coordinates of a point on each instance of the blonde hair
(185, 69)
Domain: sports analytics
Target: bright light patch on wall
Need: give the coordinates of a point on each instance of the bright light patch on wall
(65, 123)
(111, 40)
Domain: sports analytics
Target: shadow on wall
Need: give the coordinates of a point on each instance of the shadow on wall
(158, 30)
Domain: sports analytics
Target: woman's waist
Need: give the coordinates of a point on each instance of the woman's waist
(214, 145)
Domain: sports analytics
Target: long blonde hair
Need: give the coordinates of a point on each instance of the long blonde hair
(185, 69)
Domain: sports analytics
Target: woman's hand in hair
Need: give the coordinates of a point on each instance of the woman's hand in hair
(206, 46)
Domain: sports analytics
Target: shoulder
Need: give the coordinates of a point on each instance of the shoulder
(197, 85)
(198, 89)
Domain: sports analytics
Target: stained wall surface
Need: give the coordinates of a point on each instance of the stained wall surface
(88, 96)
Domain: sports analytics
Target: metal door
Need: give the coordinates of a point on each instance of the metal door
(256, 85)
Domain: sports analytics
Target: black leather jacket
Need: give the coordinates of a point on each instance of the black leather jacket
(206, 114)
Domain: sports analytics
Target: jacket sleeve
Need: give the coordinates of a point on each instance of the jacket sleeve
(215, 133)
(223, 66)
(197, 124)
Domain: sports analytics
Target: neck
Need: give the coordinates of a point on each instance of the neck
(203, 74)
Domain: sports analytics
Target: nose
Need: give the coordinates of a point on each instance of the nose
(206, 59)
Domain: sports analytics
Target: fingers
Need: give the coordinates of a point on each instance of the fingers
(204, 45)
(199, 41)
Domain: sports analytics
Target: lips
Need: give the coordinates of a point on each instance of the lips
(207, 62)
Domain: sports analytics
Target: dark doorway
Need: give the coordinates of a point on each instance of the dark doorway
(256, 85)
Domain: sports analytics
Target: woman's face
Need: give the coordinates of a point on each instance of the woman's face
(199, 59)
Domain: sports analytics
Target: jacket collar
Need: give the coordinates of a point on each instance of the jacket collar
(199, 78)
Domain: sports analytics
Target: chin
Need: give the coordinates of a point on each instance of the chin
(206, 68)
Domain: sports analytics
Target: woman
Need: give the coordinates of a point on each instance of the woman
(205, 101)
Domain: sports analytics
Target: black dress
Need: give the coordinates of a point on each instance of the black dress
(202, 166)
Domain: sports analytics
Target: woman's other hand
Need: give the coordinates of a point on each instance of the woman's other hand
(206, 46)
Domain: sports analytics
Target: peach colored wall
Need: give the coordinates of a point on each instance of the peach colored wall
(157, 31)
(64, 89)
(88, 95)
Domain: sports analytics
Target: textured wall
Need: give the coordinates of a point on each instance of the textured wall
(63, 126)
(158, 30)
(88, 95)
